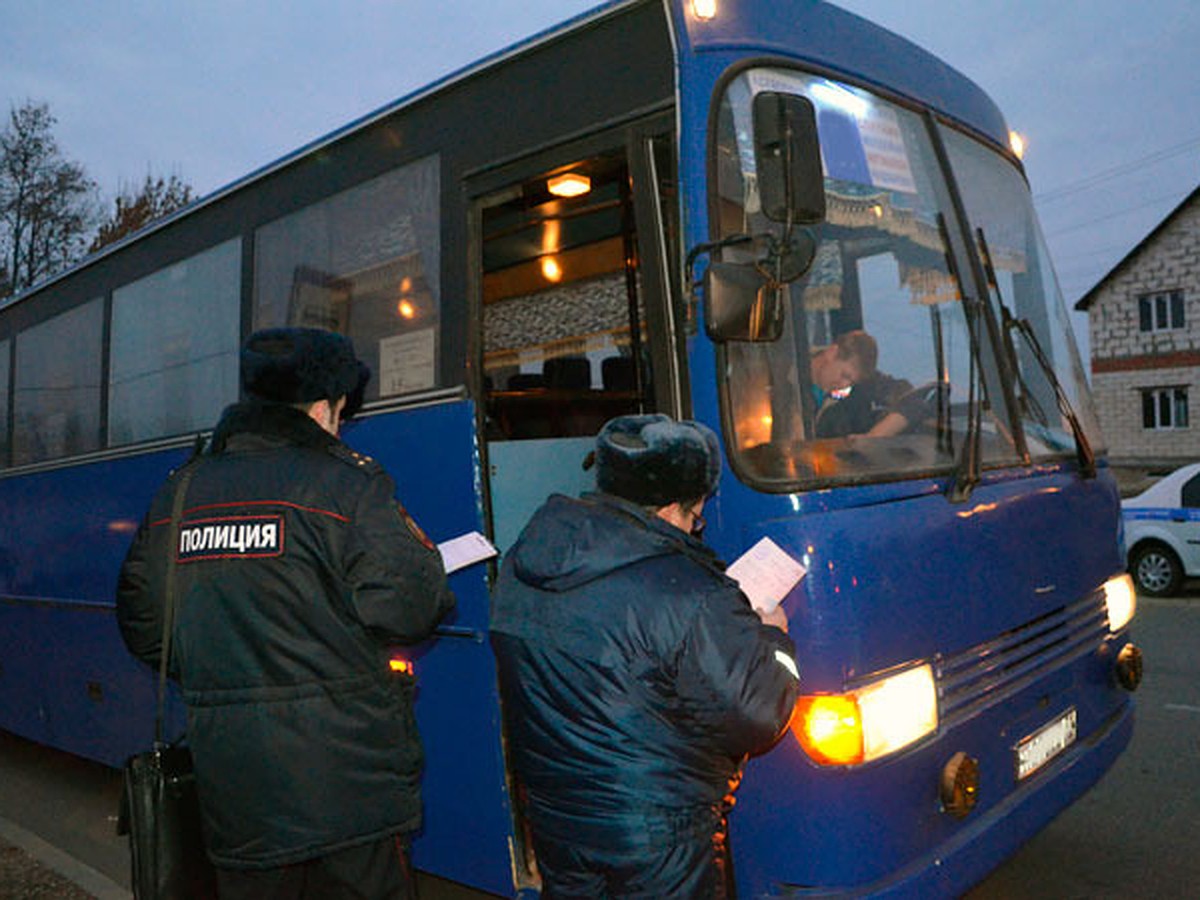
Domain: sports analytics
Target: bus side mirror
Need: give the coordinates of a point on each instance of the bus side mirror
(742, 304)
(787, 156)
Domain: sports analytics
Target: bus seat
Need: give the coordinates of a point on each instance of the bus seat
(526, 381)
(569, 372)
(616, 372)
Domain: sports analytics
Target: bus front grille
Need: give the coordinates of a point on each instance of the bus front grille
(997, 669)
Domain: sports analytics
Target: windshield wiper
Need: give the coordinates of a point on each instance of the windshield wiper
(1084, 453)
(945, 437)
(966, 474)
(969, 466)
(1083, 447)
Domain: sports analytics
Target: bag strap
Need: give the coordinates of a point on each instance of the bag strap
(185, 477)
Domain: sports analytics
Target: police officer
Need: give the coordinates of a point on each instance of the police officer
(295, 569)
(635, 676)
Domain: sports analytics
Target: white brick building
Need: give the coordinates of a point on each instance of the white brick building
(1144, 323)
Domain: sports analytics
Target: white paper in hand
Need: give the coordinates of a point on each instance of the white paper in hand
(465, 550)
(766, 573)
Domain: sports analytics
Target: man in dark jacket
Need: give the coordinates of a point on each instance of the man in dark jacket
(635, 676)
(295, 569)
(883, 406)
(870, 400)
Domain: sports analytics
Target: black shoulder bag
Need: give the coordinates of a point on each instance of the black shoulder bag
(159, 809)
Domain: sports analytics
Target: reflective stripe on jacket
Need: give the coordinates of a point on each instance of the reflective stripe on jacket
(635, 676)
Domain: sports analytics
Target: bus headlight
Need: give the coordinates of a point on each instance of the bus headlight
(1121, 600)
(868, 722)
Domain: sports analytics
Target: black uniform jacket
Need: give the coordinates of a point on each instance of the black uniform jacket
(635, 675)
(296, 568)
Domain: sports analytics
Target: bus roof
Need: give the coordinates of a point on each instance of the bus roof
(844, 44)
(810, 31)
(552, 33)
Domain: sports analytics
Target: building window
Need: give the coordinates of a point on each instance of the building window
(1160, 312)
(1165, 408)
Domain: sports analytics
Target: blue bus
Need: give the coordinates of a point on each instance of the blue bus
(656, 206)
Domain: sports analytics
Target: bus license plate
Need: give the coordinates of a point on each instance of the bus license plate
(1045, 744)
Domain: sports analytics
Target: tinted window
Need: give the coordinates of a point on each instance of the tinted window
(175, 341)
(57, 397)
(364, 262)
(1191, 492)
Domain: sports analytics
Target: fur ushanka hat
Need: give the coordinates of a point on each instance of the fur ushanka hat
(654, 461)
(303, 365)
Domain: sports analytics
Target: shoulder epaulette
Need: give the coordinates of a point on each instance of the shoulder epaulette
(354, 458)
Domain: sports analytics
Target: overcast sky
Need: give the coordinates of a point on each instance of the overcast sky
(1107, 92)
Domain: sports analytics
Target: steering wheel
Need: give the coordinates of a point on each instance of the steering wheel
(921, 404)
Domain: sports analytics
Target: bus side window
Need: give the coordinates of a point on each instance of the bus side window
(56, 395)
(5, 438)
(175, 336)
(366, 262)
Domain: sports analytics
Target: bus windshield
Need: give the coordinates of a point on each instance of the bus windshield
(882, 362)
(1022, 285)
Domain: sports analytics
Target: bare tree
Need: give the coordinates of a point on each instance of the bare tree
(156, 198)
(48, 205)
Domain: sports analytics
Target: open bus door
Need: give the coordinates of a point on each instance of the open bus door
(573, 264)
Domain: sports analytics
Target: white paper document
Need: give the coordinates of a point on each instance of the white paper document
(766, 573)
(465, 550)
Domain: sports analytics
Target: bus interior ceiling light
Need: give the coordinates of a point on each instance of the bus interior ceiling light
(1121, 601)
(572, 184)
(704, 9)
(871, 721)
(551, 270)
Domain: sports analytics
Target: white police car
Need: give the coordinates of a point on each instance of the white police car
(1162, 532)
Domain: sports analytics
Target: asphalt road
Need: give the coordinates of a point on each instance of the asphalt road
(1136, 834)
